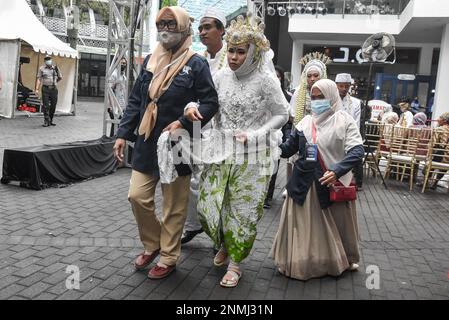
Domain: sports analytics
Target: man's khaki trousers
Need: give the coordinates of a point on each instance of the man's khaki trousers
(154, 234)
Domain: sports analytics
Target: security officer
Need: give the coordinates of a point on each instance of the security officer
(48, 75)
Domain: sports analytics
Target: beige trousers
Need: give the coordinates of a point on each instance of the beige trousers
(155, 234)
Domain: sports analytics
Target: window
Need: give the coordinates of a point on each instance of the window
(84, 16)
(58, 13)
(435, 61)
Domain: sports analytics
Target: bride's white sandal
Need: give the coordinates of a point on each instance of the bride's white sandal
(235, 274)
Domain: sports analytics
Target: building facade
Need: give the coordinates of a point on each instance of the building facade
(420, 29)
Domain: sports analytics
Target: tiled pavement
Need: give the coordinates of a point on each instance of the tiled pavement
(90, 225)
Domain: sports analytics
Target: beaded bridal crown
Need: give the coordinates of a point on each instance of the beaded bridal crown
(248, 30)
(315, 56)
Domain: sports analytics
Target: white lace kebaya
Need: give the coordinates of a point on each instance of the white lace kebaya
(254, 104)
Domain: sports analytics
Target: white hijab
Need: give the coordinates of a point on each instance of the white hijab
(330, 92)
(252, 62)
(315, 65)
(337, 132)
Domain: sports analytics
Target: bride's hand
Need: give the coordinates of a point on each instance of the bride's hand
(241, 137)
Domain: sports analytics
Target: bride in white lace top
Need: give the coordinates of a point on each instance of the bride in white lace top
(252, 110)
(251, 102)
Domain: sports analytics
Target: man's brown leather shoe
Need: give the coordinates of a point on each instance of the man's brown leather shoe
(158, 272)
(144, 260)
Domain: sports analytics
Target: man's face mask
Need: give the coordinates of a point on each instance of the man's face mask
(320, 106)
(48, 62)
(169, 40)
(123, 67)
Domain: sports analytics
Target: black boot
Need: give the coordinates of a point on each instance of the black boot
(46, 123)
(51, 123)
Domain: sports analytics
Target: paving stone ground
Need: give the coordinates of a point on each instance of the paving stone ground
(90, 225)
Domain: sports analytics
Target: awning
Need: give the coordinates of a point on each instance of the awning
(17, 21)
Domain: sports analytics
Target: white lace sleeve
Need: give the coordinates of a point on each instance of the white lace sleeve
(167, 170)
(191, 105)
(274, 101)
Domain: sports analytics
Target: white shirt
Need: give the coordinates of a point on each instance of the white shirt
(406, 119)
(353, 106)
(119, 80)
(219, 62)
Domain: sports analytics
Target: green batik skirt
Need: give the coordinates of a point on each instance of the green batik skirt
(230, 203)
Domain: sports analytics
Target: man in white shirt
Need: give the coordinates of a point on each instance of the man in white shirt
(211, 28)
(350, 104)
(353, 106)
(119, 81)
(406, 118)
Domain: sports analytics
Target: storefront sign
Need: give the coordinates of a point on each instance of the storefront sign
(407, 77)
(94, 50)
(346, 56)
(377, 108)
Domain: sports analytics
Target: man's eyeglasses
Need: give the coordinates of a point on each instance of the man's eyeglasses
(170, 24)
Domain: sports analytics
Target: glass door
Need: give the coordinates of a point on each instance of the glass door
(92, 73)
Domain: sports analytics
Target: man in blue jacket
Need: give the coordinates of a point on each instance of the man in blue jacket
(171, 78)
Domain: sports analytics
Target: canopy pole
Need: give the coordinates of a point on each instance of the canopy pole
(121, 44)
(16, 79)
(37, 69)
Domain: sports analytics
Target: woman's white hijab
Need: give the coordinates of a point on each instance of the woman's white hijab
(330, 92)
(315, 65)
(337, 132)
(264, 62)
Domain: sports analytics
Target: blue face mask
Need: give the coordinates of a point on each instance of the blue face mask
(320, 106)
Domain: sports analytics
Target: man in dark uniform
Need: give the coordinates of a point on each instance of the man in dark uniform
(48, 75)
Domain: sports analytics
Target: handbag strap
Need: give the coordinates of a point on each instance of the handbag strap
(323, 166)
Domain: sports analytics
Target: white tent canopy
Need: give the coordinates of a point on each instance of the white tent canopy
(17, 21)
(23, 35)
